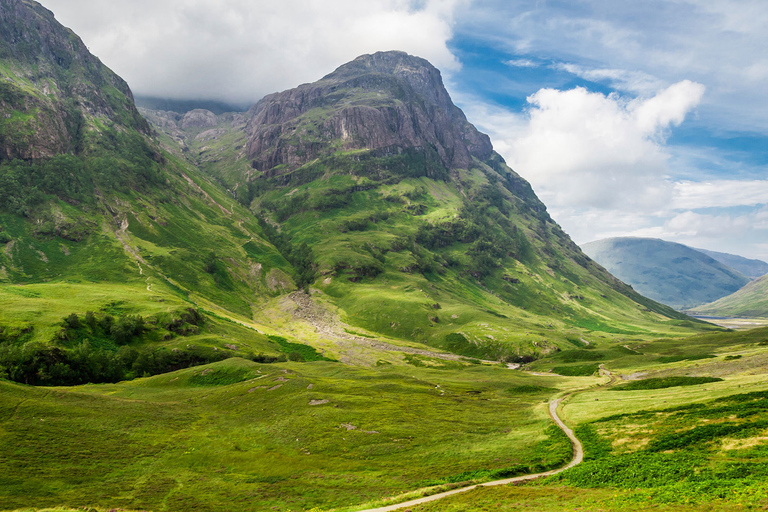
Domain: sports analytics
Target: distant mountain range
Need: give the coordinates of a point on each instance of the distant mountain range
(672, 273)
(750, 268)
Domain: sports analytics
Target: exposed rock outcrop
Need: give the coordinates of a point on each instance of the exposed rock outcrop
(199, 118)
(385, 100)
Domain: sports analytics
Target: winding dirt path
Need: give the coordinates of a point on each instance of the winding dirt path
(578, 456)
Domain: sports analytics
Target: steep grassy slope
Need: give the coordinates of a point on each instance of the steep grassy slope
(750, 301)
(671, 273)
(94, 214)
(416, 229)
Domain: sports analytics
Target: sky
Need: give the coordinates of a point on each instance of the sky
(628, 118)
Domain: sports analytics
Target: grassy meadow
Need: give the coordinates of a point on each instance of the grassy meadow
(287, 435)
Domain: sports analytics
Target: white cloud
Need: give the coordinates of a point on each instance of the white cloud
(521, 63)
(239, 50)
(620, 79)
(585, 149)
(720, 194)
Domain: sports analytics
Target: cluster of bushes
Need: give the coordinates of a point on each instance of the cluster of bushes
(361, 224)
(216, 268)
(359, 269)
(665, 382)
(95, 348)
(109, 331)
(46, 365)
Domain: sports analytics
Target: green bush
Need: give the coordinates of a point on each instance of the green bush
(665, 382)
(576, 371)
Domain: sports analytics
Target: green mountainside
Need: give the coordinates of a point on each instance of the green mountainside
(95, 216)
(417, 229)
(750, 301)
(670, 273)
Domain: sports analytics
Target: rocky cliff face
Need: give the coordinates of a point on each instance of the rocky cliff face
(52, 87)
(388, 100)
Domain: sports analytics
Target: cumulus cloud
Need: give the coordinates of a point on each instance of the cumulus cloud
(239, 50)
(587, 149)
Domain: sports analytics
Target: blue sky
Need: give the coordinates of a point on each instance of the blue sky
(628, 118)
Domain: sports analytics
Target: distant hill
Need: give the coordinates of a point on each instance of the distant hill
(750, 268)
(668, 272)
(749, 301)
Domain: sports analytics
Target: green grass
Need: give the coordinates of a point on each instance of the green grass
(248, 435)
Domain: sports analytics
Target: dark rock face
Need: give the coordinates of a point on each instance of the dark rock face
(385, 100)
(63, 85)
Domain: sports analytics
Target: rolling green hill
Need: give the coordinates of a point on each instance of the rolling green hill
(670, 273)
(750, 301)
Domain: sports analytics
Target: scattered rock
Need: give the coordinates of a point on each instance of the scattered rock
(348, 426)
(318, 402)
(274, 387)
(230, 346)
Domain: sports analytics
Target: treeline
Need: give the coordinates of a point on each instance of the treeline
(45, 365)
(100, 348)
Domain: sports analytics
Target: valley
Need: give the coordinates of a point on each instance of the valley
(341, 299)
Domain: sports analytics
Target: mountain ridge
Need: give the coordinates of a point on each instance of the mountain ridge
(671, 273)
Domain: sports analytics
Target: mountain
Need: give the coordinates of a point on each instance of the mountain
(368, 189)
(96, 217)
(749, 301)
(670, 273)
(417, 228)
(750, 268)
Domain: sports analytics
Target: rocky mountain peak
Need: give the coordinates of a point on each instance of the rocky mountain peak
(387, 101)
(53, 84)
